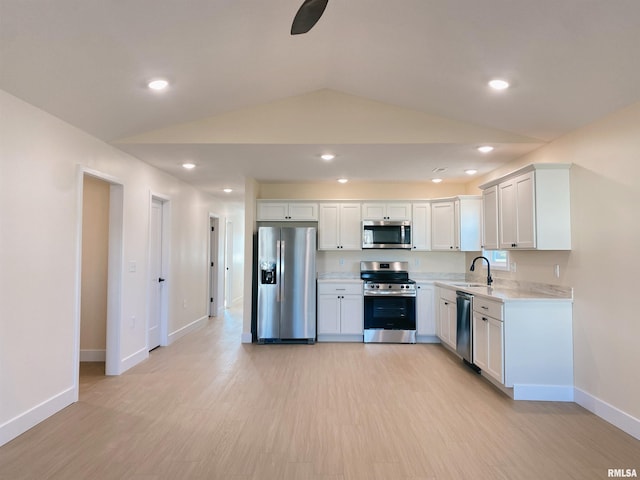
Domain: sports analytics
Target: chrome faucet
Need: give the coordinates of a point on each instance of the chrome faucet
(473, 267)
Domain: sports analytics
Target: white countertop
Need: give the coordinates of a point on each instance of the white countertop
(503, 294)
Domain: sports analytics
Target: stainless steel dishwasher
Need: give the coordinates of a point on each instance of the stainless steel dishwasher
(464, 331)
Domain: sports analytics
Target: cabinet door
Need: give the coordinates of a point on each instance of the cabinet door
(350, 227)
(421, 226)
(399, 211)
(270, 211)
(495, 350)
(374, 211)
(490, 218)
(351, 314)
(425, 315)
(442, 226)
(526, 211)
(448, 322)
(328, 226)
(442, 329)
(480, 340)
(328, 314)
(303, 211)
(508, 224)
(453, 324)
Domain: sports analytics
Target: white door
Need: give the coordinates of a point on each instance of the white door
(213, 267)
(156, 275)
(228, 262)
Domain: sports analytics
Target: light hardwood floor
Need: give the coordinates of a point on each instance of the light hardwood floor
(209, 407)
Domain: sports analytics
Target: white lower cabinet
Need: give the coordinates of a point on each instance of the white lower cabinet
(340, 312)
(488, 338)
(446, 318)
(425, 313)
(523, 344)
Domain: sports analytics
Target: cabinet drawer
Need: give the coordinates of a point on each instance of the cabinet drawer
(339, 288)
(447, 294)
(488, 307)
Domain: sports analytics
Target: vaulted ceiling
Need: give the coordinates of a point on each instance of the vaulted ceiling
(394, 89)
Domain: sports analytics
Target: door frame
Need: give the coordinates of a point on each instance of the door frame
(113, 364)
(216, 277)
(166, 274)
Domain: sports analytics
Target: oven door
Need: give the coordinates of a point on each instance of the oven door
(389, 312)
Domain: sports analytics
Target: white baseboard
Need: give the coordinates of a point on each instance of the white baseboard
(340, 338)
(608, 412)
(181, 332)
(23, 422)
(545, 393)
(93, 355)
(247, 337)
(133, 359)
(427, 339)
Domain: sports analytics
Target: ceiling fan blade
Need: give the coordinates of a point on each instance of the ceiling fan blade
(308, 15)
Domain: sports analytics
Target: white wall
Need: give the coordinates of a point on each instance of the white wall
(39, 195)
(603, 264)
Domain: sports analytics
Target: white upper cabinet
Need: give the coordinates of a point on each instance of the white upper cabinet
(287, 211)
(455, 224)
(490, 218)
(386, 211)
(534, 210)
(339, 226)
(421, 226)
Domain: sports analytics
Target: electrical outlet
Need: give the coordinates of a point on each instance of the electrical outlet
(341, 261)
(184, 303)
(556, 270)
(417, 262)
(513, 267)
(133, 321)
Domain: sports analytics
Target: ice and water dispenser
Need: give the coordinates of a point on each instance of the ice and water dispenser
(268, 273)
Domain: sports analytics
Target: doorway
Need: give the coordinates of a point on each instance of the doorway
(228, 261)
(214, 260)
(105, 289)
(95, 272)
(158, 272)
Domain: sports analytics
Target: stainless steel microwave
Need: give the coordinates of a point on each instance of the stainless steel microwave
(386, 234)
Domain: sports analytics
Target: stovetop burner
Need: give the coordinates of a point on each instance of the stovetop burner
(387, 278)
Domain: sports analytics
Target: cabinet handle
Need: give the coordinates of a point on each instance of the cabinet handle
(484, 307)
(340, 289)
(484, 319)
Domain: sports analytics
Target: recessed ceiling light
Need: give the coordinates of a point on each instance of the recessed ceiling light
(485, 149)
(436, 180)
(189, 165)
(499, 84)
(471, 171)
(227, 190)
(342, 180)
(158, 84)
(327, 156)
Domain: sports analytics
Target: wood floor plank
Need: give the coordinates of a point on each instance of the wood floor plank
(209, 407)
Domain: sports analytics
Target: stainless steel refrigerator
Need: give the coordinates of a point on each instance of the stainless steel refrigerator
(286, 307)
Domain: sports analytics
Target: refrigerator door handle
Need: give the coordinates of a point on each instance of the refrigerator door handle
(281, 286)
(278, 270)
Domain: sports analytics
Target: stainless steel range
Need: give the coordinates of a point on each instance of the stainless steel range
(389, 302)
